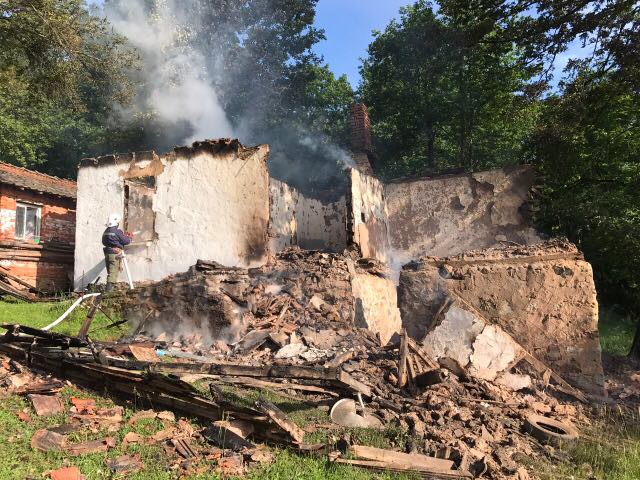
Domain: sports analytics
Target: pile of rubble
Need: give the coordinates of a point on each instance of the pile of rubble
(294, 327)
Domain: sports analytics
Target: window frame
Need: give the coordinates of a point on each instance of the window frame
(25, 206)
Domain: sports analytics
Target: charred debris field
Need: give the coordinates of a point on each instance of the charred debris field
(278, 386)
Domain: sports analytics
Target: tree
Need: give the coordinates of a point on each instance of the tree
(277, 90)
(61, 69)
(441, 96)
(587, 146)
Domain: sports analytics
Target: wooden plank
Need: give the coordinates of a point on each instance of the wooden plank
(338, 360)
(9, 290)
(399, 459)
(541, 368)
(36, 332)
(84, 329)
(5, 273)
(384, 467)
(411, 377)
(446, 303)
(419, 351)
(402, 363)
(226, 438)
(281, 419)
(347, 380)
(334, 375)
(255, 382)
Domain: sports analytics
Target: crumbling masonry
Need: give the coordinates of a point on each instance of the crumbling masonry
(462, 280)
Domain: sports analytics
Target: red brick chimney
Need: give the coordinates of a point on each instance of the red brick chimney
(360, 127)
(361, 146)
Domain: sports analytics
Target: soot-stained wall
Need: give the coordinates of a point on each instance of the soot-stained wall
(451, 214)
(211, 202)
(306, 222)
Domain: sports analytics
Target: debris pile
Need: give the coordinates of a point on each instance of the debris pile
(302, 341)
(542, 296)
(297, 288)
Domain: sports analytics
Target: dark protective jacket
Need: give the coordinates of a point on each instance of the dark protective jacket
(114, 240)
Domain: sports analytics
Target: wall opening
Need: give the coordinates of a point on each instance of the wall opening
(139, 217)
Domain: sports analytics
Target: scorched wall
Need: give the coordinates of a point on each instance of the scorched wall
(207, 201)
(305, 222)
(451, 214)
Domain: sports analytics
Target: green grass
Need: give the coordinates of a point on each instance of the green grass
(616, 332)
(19, 461)
(608, 450)
(42, 314)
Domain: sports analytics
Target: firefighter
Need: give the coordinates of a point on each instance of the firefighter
(114, 241)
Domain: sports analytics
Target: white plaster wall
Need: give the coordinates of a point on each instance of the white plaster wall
(321, 226)
(376, 305)
(369, 215)
(100, 193)
(207, 206)
(283, 226)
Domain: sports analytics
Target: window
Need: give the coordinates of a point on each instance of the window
(28, 222)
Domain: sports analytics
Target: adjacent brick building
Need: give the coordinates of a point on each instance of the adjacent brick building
(37, 227)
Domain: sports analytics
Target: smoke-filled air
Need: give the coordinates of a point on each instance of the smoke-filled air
(175, 77)
(208, 69)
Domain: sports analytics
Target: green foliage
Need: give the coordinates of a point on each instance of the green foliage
(616, 331)
(587, 146)
(443, 94)
(61, 70)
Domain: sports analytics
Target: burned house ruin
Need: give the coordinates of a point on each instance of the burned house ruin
(214, 202)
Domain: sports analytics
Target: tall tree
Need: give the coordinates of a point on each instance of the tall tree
(587, 146)
(441, 96)
(61, 69)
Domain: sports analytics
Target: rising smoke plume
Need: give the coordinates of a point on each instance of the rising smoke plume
(193, 70)
(176, 84)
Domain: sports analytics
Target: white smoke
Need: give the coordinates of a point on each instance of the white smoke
(176, 84)
(330, 150)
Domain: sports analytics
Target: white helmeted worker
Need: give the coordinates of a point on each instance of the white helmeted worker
(114, 241)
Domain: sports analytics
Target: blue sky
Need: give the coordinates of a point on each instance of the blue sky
(348, 25)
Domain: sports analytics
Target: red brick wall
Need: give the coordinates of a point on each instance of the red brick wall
(43, 266)
(58, 214)
(46, 276)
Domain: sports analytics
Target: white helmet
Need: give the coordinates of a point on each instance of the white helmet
(114, 220)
